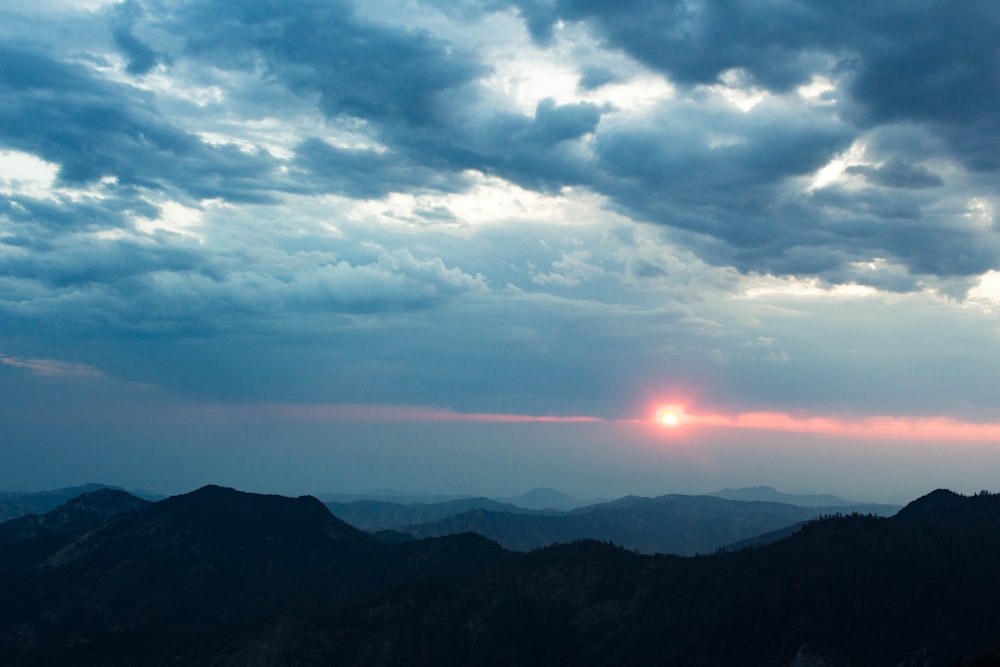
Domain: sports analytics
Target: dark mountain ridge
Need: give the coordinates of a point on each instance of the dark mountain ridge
(214, 559)
(219, 577)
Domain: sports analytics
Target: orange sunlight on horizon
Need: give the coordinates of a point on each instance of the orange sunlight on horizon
(879, 427)
(667, 417)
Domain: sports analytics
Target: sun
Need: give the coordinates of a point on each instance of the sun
(669, 415)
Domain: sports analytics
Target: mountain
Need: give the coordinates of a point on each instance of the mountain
(544, 498)
(184, 576)
(390, 496)
(78, 515)
(375, 515)
(15, 503)
(20, 503)
(26, 539)
(220, 577)
(947, 506)
(772, 495)
(850, 590)
(765, 538)
(678, 524)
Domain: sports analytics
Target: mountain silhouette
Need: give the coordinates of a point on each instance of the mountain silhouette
(221, 577)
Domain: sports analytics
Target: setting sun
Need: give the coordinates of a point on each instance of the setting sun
(669, 415)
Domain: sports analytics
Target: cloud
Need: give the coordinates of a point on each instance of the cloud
(355, 67)
(141, 58)
(933, 64)
(898, 174)
(907, 429)
(369, 174)
(727, 177)
(100, 129)
(727, 162)
(51, 367)
(412, 202)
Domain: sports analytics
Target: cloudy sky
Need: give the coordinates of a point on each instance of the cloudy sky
(476, 247)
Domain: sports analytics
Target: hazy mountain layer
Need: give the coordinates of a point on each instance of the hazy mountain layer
(373, 515)
(14, 503)
(678, 524)
(772, 495)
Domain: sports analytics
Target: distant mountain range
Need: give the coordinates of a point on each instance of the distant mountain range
(221, 577)
(542, 498)
(772, 495)
(677, 524)
(16, 503)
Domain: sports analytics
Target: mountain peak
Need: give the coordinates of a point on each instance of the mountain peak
(243, 510)
(77, 515)
(946, 505)
(543, 498)
(217, 520)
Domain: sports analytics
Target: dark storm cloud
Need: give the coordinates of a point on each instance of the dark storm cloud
(928, 68)
(416, 92)
(695, 41)
(92, 129)
(935, 62)
(898, 174)
(141, 57)
(554, 123)
(592, 78)
(731, 183)
(321, 48)
(537, 152)
(111, 263)
(731, 192)
(36, 221)
(721, 176)
(367, 173)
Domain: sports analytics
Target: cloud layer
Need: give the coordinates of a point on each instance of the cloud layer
(537, 208)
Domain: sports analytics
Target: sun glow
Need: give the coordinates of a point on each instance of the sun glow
(669, 415)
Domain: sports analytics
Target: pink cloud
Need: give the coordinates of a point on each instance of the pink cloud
(879, 427)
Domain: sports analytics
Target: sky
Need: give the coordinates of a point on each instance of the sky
(478, 247)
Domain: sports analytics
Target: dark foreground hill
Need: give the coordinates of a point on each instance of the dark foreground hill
(219, 577)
